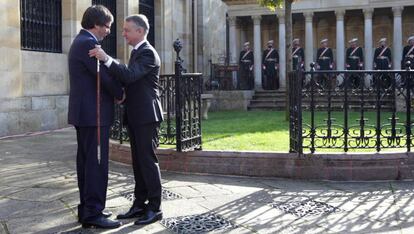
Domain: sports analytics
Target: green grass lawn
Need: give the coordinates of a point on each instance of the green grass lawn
(266, 130)
(246, 130)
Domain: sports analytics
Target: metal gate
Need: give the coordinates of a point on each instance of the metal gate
(351, 110)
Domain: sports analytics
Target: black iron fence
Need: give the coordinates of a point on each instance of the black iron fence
(348, 110)
(180, 95)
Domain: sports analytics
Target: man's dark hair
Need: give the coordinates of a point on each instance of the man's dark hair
(96, 15)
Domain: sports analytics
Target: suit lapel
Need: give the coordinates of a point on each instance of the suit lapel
(135, 54)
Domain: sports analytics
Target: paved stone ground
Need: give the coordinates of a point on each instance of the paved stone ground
(38, 194)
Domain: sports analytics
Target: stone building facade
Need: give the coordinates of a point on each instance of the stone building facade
(34, 84)
(313, 20)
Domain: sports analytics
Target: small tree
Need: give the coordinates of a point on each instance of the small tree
(287, 4)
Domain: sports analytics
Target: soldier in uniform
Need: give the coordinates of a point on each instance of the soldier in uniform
(270, 65)
(382, 60)
(354, 61)
(298, 56)
(246, 62)
(324, 61)
(408, 53)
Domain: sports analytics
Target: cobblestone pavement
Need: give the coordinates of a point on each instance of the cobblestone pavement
(38, 194)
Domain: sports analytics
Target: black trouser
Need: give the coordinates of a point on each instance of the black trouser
(144, 142)
(92, 177)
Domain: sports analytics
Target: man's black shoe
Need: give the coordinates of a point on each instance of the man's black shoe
(104, 214)
(134, 212)
(149, 217)
(101, 222)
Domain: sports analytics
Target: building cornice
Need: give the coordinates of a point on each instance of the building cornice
(249, 8)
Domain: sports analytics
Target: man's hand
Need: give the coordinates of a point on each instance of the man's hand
(122, 100)
(99, 53)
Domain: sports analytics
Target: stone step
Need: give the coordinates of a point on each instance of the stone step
(268, 101)
(264, 95)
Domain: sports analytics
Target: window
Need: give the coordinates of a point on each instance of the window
(109, 43)
(41, 25)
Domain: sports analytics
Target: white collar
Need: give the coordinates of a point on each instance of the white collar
(96, 39)
(139, 44)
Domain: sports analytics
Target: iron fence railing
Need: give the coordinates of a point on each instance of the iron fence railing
(347, 110)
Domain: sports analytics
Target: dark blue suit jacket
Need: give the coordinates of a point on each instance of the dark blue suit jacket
(82, 75)
(141, 81)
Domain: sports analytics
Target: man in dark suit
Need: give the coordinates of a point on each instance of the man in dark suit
(92, 173)
(246, 61)
(270, 64)
(144, 115)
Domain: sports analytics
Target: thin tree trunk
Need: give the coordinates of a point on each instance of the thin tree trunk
(288, 38)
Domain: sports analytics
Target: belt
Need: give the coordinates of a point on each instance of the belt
(411, 56)
(324, 57)
(295, 56)
(246, 61)
(271, 60)
(382, 57)
(353, 57)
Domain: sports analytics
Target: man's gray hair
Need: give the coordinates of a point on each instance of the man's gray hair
(139, 20)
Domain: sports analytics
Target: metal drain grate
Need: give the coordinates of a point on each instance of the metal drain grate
(307, 207)
(166, 195)
(202, 223)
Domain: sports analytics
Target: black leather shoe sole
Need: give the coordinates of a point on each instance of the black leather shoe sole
(154, 219)
(90, 225)
(129, 215)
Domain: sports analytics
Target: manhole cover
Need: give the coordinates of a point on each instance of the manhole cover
(166, 195)
(208, 222)
(307, 207)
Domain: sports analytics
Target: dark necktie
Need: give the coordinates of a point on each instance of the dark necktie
(132, 55)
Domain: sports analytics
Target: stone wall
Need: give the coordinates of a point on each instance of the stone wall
(230, 100)
(335, 166)
(28, 114)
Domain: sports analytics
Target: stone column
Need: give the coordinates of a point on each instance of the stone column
(10, 49)
(340, 40)
(397, 40)
(232, 39)
(309, 39)
(282, 51)
(257, 52)
(368, 60)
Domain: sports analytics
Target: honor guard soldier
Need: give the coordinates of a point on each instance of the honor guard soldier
(297, 55)
(382, 61)
(354, 60)
(408, 53)
(382, 56)
(324, 60)
(246, 62)
(270, 65)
